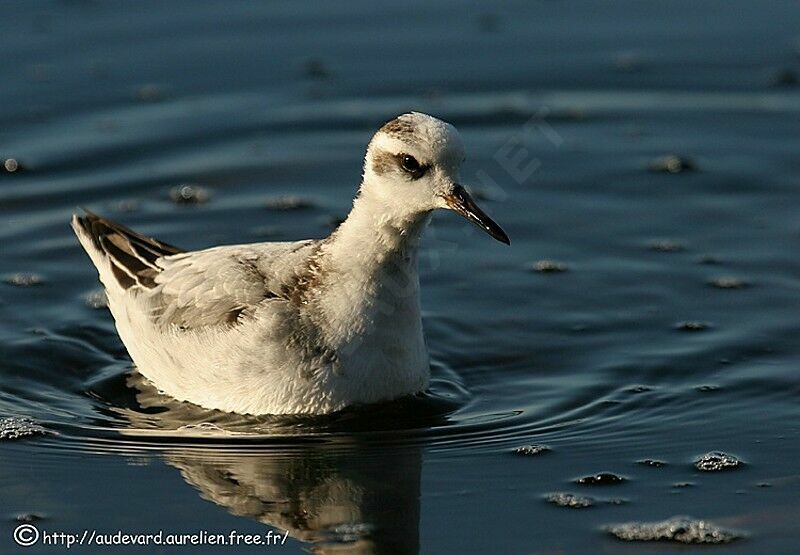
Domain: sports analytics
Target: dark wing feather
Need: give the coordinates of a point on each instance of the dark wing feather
(132, 255)
(220, 286)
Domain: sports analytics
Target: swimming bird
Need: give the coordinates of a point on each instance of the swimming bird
(306, 327)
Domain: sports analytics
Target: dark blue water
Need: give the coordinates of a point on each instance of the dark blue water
(668, 329)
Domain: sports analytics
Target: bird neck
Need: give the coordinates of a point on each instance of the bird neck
(368, 271)
(378, 232)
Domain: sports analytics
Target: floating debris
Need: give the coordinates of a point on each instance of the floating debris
(14, 427)
(189, 194)
(655, 463)
(683, 485)
(12, 165)
(96, 299)
(728, 282)
(289, 202)
(716, 461)
(24, 280)
(672, 164)
(680, 529)
(549, 266)
(601, 479)
(692, 325)
(531, 450)
(667, 245)
(570, 500)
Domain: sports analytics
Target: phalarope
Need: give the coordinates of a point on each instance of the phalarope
(306, 327)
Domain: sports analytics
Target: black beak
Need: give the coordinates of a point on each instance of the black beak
(460, 202)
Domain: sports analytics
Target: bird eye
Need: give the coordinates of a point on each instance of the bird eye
(410, 165)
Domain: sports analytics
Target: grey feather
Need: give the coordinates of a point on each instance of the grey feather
(220, 286)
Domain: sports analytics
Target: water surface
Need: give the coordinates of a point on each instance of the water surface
(666, 327)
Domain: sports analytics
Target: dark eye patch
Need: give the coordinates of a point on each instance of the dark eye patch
(383, 162)
(411, 165)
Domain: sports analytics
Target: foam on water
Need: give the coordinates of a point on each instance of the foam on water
(531, 450)
(570, 500)
(679, 529)
(716, 461)
(14, 427)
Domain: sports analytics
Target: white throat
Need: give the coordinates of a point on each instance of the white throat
(377, 230)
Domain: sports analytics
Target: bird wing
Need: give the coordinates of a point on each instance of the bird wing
(219, 286)
(224, 285)
(131, 256)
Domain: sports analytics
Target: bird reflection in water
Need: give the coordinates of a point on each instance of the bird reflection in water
(340, 492)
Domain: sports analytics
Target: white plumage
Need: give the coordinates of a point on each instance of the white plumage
(307, 327)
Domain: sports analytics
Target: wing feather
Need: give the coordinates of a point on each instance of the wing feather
(223, 285)
(220, 286)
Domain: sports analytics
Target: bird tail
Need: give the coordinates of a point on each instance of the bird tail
(123, 258)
